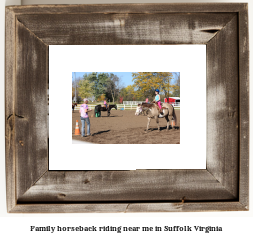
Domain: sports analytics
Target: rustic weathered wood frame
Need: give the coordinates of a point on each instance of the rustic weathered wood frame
(222, 186)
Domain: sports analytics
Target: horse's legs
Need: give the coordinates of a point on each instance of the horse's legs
(170, 118)
(168, 122)
(157, 122)
(149, 119)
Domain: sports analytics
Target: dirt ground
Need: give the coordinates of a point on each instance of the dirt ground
(123, 127)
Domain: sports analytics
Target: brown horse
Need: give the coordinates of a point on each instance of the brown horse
(73, 106)
(152, 111)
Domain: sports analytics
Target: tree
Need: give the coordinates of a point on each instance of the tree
(85, 88)
(113, 86)
(98, 81)
(123, 93)
(176, 86)
(128, 93)
(75, 89)
(166, 85)
(101, 98)
(146, 83)
(73, 93)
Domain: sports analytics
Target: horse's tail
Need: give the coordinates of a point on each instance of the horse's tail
(174, 115)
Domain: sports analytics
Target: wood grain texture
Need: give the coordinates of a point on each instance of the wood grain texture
(154, 8)
(186, 207)
(129, 207)
(140, 185)
(9, 109)
(244, 106)
(223, 107)
(223, 186)
(130, 29)
(30, 108)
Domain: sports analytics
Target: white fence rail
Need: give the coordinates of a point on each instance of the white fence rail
(132, 102)
(124, 106)
(119, 106)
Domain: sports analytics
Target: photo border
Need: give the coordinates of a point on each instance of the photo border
(127, 150)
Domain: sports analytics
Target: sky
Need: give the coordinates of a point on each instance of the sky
(126, 77)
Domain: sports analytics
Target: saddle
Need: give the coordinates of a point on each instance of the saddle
(158, 108)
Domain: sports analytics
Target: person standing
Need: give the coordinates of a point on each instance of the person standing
(85, 117)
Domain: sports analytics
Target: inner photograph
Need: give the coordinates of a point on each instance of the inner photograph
(126, 107)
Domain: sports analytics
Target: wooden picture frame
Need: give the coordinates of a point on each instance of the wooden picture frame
(222, 186)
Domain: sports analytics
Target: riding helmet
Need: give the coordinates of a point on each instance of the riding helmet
(157, 90)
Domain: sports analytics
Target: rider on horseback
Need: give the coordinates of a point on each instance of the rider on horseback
(105, 103)
(158, 100)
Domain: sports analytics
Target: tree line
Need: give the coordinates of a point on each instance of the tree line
(97, 86)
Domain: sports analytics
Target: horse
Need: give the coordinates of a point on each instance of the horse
(73, 106)
(152, 111)
(102, 108)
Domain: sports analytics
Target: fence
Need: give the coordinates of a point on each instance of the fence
(125, 106)
(119, 106)
(134, 106)
(132, 102)
(175, 104)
